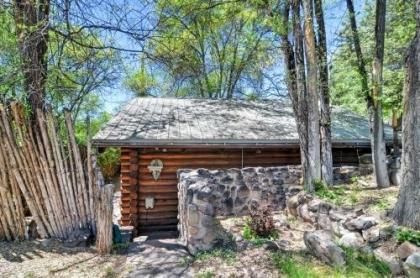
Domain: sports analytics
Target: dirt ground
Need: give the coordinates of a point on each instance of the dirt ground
(33, 259)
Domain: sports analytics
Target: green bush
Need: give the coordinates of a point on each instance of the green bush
(408, 235)
(109, 162)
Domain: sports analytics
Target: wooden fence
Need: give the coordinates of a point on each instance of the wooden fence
(43, 171)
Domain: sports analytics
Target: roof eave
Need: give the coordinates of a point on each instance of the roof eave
(220, 143)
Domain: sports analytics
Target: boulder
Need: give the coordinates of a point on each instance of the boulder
(271, 246)
(304, 213)
(321, 244)
(412, 265)
(371, 235)
(387, 232)
(313, 205)
(338, 228)
(337, 216)
(360, 223)
(323, 222)
(393, 263)
(295, 201)
(406, 249)
(352, 240)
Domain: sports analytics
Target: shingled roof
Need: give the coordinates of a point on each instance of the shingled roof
(168, 121)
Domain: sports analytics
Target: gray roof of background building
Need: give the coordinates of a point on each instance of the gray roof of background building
(169, 121)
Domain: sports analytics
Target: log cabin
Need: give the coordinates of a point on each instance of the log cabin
(159, 136)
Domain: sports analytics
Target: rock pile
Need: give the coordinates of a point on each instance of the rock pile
(337, 227)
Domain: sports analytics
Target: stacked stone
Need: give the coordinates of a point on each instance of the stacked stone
(204, 194)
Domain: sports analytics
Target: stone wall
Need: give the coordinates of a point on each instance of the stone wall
(204, 194)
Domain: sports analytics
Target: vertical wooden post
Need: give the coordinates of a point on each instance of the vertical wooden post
(129, 187)
(104, 220)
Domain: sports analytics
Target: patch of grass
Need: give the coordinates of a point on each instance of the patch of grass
(333, 194)
(302, 265)
(207, 273)
(294, 266)
(381, 205)
(412, 236)
(364, 265)
(227, 255)
(249, 235)
(355, 179)
(29, 275)
(110, 272)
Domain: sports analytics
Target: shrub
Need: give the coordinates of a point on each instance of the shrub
(260, 227)
(261, 222)
(408, 235)
(109, 162)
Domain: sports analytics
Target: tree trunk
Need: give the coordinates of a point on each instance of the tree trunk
(31, 19)
(396, 120)
(407, 209)
(300, 96)
(361, 64)
(377, 128)
(314, 152)
(325, 123)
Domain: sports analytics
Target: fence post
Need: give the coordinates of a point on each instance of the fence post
(104, 219)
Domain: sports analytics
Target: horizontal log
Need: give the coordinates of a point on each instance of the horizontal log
(153, 183)
(158, 208)
(160, 202)
(147, 176)
(159, 196)
(145, 229)
(152, 222)
(157, 215)
(158, 189)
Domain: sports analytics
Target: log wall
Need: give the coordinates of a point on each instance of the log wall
(129, 186)
(137, 181)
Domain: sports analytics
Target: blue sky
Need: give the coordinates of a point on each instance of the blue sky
(114, 97)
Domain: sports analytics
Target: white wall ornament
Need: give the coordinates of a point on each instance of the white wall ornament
(155, 167)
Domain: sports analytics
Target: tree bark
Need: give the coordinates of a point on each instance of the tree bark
(407, 209)
(361, 64)
(396, 125)
(299, 95)
(314, 152)
(32, 18)
(324, 96)
(377, 128)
